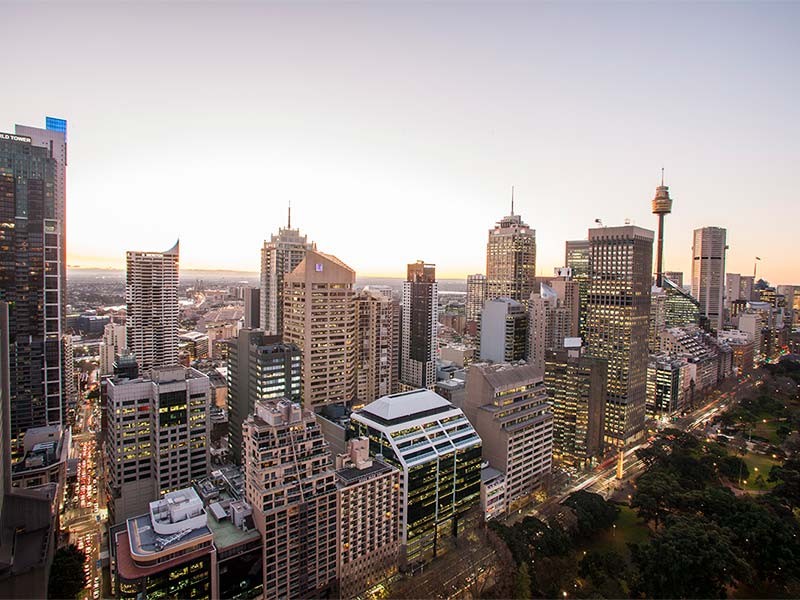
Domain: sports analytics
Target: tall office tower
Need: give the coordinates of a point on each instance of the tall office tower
(568, 292)
(291, 486)
(420, 319)
(791, 295)
(260, 367)
(747, 288)
(320, 318)
(511, 259)
(156, 437)
(54, 138)
(658, 318)
(439, 455)
(665, 385)
(733, 288)
(550, 324)
(252, 307)
(576, 385)
(31, 282)
(662, 206)
(504, 331)
(368, 505)
(114, 341)
(708, 272)
(397, 343)
(577, 259)
(476, 297)
(509, 408)
(376, 361)
(151, 292)
(681, 308)
(675, 277)
(279, 257)
(617, 322)
(5, 406)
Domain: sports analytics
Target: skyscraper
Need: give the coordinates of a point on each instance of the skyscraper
(114, 341)
(260, 367)
(550, 323)
(476, 297)
(151, 292)
(662, 206)
(291, 486)
(32, 280)
(420, 320)
(511, 259)
(279, 257)
(577, 260)
(617, 323)
(377, 356)
(320, 318)
(708, 272)
(252, 307)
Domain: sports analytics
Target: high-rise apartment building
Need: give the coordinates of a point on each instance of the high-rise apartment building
(476, 297)
(368, 505)
(509, 408)
(511, 259)
(156, 439)
(32, 279)
(576, 385)
(617, 323)
(420, 320)
(377, 354)
(708, 273)
(260, 367)
(151, 292)
(550, 324)
(504, 331)
(439, 455)
(320, 319)
(279, 257)
(291, 485)
(114, 341)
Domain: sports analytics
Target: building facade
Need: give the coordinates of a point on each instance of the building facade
(476, 297)
(576, 385)
(419, 345)
(577, 260)
(511, 259)
(291, 486)
(377, 353)
(279, 257)
(621, 264)
(114, 341)
(320, 319)
(438, 454)
(260, 367)
(509, 408)
(504, 331)
(151, 292)
(708, 273)
(550, 323)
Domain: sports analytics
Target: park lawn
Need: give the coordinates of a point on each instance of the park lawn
(768, 431)
(629, 529)
(763, 463)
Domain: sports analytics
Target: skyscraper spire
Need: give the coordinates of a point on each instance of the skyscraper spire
(289, 224)
(512, 200)
(662, 176)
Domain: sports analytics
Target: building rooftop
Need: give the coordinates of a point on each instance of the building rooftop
(350, 475)
(508, 375)
(405, 405)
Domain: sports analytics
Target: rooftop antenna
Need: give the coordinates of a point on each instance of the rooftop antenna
(662, 176)
(289, 225)
(512, 200)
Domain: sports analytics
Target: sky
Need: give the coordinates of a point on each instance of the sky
(396, 130)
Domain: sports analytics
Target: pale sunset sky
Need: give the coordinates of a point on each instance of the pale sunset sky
(396, 130)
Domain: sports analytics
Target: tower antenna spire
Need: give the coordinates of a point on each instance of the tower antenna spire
(662, 176)
(512, 200)
(289, 224)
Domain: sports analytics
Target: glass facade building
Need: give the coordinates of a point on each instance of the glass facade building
(577, 259)
(439, 455)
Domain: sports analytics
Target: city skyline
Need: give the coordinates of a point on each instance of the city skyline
(505, 98)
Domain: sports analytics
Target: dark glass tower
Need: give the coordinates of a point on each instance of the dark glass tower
(30, 282)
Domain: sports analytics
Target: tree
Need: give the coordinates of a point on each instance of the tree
(605, 572)
(522, 585)
(689, 558)
(733, 468)
(67, 577)
(788, 478)
(654, 492)
(593, 511)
